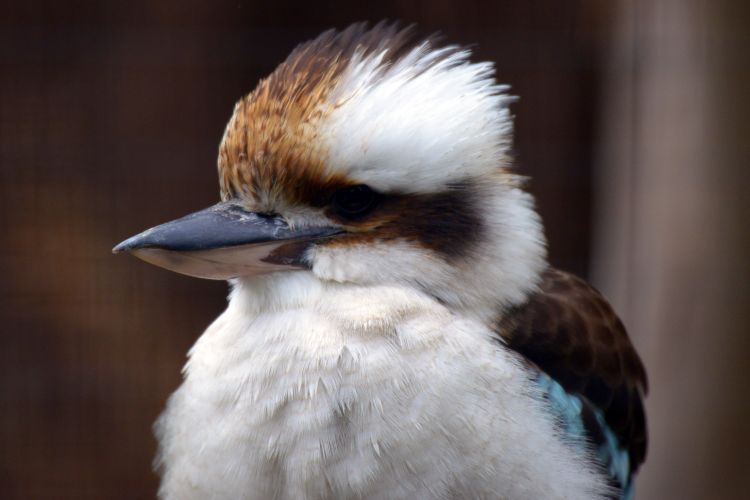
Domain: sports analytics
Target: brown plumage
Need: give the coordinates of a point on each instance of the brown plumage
(271, 149)
(448, 222)
(570, 332)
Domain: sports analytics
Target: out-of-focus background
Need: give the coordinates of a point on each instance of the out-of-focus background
(633, 123)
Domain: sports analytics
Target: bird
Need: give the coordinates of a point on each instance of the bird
(394, 328)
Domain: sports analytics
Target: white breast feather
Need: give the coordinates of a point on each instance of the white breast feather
(306, 389)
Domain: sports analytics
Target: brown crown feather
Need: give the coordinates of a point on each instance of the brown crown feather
(270, 148)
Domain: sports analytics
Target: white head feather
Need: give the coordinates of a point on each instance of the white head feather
(430, 119)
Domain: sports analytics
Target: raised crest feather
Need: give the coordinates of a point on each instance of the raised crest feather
(364, 105)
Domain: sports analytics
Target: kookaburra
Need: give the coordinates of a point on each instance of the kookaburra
(393, 329)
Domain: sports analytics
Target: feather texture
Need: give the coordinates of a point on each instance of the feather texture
(376, 373)
(570, 332)
(312, 389)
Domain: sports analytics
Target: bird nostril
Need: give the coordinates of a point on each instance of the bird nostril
(273, 218)
(269, 215)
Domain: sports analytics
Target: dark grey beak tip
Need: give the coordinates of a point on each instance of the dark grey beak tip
(123, 246)
(141, 240)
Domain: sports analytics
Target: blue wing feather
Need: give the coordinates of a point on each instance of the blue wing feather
(569, 412)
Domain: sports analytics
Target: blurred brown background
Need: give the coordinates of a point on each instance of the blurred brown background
(633, 122)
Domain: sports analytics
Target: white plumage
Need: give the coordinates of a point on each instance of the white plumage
(427, 120)
(376, 372)
(311, 389)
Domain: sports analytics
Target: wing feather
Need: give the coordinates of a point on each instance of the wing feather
(569, 330)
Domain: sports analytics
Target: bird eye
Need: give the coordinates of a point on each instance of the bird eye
(355, 201)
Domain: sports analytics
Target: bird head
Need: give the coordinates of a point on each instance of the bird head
(367, 158)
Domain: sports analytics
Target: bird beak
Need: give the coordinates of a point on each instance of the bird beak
(225, 241)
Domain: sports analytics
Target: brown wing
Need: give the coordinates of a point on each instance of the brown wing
(569, 330)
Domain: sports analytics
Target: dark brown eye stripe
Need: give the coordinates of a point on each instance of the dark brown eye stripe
(447, 222)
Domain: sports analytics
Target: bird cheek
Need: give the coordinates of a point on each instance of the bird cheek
(333, 261)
